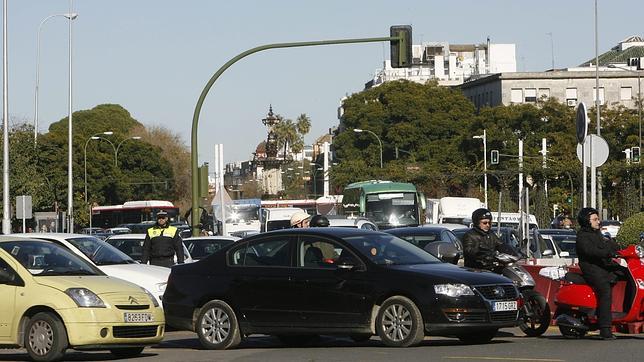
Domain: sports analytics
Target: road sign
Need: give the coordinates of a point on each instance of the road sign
(582, 122)
(23, 207)
(600, 150)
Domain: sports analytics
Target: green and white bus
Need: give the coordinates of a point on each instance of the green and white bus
(388, 204)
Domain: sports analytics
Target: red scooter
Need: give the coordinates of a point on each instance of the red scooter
(576, 302)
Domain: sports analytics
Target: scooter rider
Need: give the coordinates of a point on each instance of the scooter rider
(480, 243)
(594, 253)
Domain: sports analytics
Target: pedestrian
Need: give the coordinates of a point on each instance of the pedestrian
(300, 220)
(480, 243)
(595, 261)
(162, 242)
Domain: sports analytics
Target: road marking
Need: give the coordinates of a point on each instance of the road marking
(508, 359)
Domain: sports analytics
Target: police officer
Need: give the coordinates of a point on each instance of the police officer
(480, 243)
(162, 242)
(595, 261)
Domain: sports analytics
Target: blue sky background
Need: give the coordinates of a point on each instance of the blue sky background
(154, 56)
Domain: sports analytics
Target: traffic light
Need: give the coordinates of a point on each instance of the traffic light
(494, 157)
(569, 200)
(635, 154)
(400, 50)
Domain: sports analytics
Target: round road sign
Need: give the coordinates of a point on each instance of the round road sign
(581, 123)
(600, 150)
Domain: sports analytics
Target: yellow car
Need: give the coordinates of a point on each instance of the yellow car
(51, 300)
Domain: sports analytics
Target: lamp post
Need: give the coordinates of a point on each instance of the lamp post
(358, 130)
(94, 137)
(116, 150)
(70, 174)
(484, 138)
(69, 16)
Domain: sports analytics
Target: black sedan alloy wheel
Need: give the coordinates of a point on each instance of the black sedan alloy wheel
(399, 323)
(217, 326)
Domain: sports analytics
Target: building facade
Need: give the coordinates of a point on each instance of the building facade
(450, 64)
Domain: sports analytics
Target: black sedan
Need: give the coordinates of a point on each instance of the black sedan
(437, 240)
(299, 283)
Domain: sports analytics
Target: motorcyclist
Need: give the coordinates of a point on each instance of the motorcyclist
(319, 221)
(595, 254)
(480, 243)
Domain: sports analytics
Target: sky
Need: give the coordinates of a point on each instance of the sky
(154, 57)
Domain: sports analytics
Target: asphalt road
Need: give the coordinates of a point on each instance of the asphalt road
(509, 345)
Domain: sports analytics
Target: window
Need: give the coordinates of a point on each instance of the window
(601, 95)
(266, 252)
(531, 95)
(9, 273)
(571, 93)
(314, 252)
(516, 95)
(626, 93)
(544, 93)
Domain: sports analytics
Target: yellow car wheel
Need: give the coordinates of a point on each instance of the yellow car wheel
(45, 338)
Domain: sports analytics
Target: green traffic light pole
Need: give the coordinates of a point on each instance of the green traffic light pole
(194, 216)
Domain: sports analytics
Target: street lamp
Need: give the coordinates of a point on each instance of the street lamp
(70, 174)
(94, 137)
(69, 16)
(484, 138)
(639, 111)
(358, 130)
(116, 150)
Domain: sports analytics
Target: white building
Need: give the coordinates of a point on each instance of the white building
(619, 81)
(450, 64)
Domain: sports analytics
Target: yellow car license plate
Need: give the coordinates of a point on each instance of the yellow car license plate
(139, 317)
(505, 306)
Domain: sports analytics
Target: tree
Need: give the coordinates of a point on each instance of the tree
(290, 135)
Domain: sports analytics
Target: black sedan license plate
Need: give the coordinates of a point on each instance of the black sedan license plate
(138, 317)
(505, 306)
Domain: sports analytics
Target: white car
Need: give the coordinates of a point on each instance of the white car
(132, 245)
(611, 227)
(351, 222)
(110, 260)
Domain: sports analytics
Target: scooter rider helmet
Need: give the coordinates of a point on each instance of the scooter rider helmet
(481, 214)
(319, 221)
(583, 218)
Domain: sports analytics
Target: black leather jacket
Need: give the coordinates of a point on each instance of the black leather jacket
(479, 248)
(594, 249)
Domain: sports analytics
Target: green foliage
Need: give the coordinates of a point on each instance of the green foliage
(290, 135)
(629, 233)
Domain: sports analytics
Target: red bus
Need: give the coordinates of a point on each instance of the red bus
(132, 212)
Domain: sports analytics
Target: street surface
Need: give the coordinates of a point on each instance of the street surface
(509, 345)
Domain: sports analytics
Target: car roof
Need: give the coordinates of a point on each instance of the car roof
(58, 236)
(447, 225)
(417, 230)
(127, 236)
(332, 231)
(214, 237)
(557, 231)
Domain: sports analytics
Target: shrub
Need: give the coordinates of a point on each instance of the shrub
(630, 231)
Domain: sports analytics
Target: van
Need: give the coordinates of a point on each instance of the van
(276, 218)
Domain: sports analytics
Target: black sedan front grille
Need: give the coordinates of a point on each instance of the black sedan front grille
(134, 331)
(491, 292)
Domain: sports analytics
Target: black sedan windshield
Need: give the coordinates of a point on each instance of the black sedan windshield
(390, 250)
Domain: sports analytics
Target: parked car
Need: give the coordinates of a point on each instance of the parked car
(436, 240)
(92, 230)
(351, 222)
(611, 227)
(53, 300)
(138, 228)
(132, 245)
(203, 246)
(565, 239)
(298, 283)
(244, 233)
(118, 230)
(110, 260)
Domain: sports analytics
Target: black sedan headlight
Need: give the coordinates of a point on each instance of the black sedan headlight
(453, 290)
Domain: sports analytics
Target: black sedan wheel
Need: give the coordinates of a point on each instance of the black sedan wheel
(399, 323)
(46, 338)
(217, 326)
